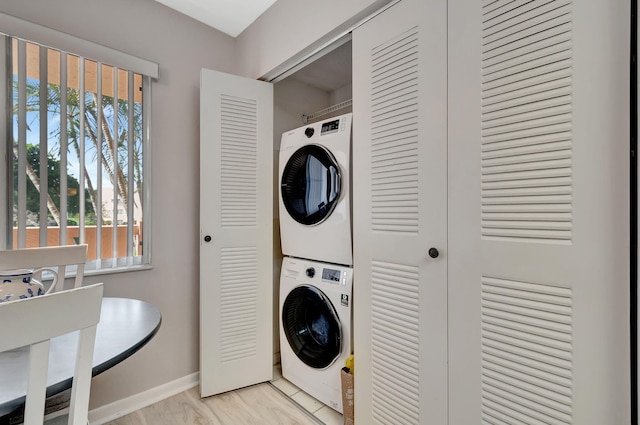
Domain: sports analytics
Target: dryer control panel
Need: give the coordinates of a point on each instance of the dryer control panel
(330, 127)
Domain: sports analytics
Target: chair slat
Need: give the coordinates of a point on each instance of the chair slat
(78, 411)
(37, 383)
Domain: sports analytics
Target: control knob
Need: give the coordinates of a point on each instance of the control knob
(310, 272)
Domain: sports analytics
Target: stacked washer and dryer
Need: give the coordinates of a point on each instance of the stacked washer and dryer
(317, 276)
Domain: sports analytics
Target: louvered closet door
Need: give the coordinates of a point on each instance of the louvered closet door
(400, 212)
(538, 212)
(236, 195)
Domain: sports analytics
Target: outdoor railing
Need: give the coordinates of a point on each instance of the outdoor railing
(90, 238)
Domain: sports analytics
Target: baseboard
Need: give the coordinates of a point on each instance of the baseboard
(119, 408)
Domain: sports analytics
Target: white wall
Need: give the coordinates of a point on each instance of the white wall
(341, 94)
(291, 99)
(181, 46)
(291, 26)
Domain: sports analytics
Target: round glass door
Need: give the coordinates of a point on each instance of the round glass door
(312, 326)
(310, 184)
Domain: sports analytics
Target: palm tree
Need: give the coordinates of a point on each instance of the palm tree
(113, 148)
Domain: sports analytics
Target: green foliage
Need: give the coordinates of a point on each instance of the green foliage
(53, 171)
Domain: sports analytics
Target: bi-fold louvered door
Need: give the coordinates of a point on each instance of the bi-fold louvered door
(497, 133)
(400, 213)
(236, 254)
(538, 212)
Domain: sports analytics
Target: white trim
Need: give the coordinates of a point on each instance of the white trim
(6, 200)
(147, 178)
(29, 31)
(117, 409)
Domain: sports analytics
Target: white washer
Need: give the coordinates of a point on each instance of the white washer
(315, 326)
(315, 193)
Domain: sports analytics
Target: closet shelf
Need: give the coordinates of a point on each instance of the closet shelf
(310, 117)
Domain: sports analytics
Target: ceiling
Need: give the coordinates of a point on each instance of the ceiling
(228, 16)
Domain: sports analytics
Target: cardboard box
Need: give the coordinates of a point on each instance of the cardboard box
(346, 379)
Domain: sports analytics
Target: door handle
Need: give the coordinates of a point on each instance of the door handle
(434, 253)
(207, 238)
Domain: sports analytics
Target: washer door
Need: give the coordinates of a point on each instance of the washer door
(310, 184)
(312, 326)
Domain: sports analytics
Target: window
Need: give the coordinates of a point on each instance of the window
(76, 146)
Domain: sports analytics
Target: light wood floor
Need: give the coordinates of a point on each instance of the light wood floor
(260, 404)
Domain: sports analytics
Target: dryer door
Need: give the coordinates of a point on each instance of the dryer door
(310, 184)
(312, 326)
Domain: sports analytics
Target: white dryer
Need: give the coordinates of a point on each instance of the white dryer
(315, 193)
(315, 326)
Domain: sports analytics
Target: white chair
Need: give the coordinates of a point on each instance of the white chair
(57, 258)
(42, 318)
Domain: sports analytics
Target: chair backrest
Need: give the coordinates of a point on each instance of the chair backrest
(42, 318)
(54, 257)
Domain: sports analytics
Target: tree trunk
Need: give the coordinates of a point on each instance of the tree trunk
(51, 206)
(86, 175)
(117, 177)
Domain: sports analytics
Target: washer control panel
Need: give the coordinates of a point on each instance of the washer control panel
(336, 276)
(317, 273)
(331, 275)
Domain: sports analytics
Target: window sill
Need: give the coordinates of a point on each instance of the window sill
(113, 270)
